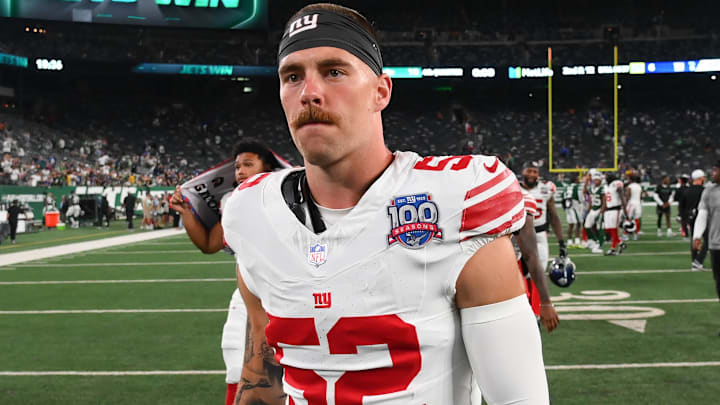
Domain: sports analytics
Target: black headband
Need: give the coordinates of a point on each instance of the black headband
(325, 28)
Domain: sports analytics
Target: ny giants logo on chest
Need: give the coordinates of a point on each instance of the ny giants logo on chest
(413, 221)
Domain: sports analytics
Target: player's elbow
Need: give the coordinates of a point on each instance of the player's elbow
(208, 250)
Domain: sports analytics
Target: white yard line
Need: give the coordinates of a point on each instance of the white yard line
(222, 372)
(633, 365)
(108, 311)
(636, 271)
(32, 265)
(110, 373)
(166, 280)
(686, 253)
(61, 250)
(653, 242)
(666, 301)
(140, 252)
(169, 243)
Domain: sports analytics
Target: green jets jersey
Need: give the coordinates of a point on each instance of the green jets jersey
(572, 192)
(597, 193)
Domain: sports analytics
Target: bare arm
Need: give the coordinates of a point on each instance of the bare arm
(554, 219)
(207, 241)
(623, 200)
(261, 380)
(528, 246)
(478, 285)
(495, 315)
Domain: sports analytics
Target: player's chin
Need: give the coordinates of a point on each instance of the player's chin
(320, 153)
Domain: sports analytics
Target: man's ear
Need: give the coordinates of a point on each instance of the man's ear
(384, 92)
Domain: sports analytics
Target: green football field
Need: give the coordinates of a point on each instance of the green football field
(141, 324)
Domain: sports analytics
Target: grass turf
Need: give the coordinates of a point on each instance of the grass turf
(684, 332)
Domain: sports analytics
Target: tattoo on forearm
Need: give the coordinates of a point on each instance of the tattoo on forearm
(262, 376)
(248, 344)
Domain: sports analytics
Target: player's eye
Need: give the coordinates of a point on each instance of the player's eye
(335, 73)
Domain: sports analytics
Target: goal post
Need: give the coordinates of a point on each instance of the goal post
(615, 122)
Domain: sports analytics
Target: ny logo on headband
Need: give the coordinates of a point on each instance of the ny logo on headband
(304, 23)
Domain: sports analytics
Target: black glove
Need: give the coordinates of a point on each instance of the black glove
(563, 248)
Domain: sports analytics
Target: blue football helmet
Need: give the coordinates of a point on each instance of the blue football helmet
(562, 271)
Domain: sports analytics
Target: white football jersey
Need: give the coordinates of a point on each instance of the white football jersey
(530, 204)
(364, 313)
(635, 193)
(542, 192)
(612, 194)
(530, 209)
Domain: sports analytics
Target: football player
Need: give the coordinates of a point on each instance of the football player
(597, 204)
(633, 194)
(533, 269)
(251, 158)
(663, 197)
(375, 276)
(573, 204)
(614, 212)
(544, 194)
(74, 212)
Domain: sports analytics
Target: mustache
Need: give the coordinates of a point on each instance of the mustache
(312, 115)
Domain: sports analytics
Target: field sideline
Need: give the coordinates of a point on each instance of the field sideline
(140, 324)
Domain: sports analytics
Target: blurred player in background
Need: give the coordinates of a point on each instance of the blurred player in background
(614, 212)
(663, 197)
(680, 189)
(574, 210)
(74, 212)
(147, 208)
(544, 194)
(251, 158)
(708, 218)
(690, 200)
(595, 190)
(633, 194)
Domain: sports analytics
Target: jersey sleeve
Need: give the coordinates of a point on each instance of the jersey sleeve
(494, 205)
(530, 203)
(553, 188)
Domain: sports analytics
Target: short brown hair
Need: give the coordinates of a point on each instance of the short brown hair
(338, 9)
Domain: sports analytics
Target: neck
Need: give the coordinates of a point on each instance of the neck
(342, 184)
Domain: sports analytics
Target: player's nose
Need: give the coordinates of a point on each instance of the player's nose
(312, 90)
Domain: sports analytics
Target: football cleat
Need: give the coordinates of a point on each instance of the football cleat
(562, 271)
(621, 248)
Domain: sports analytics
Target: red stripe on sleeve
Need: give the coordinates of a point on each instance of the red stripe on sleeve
(492, 208)
(530, 205)
(507, 224)
(488, 185)
(248, 184)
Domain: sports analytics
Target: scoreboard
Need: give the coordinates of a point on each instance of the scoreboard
(224, 14)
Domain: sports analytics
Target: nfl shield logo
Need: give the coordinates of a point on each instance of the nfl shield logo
(317, 254)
